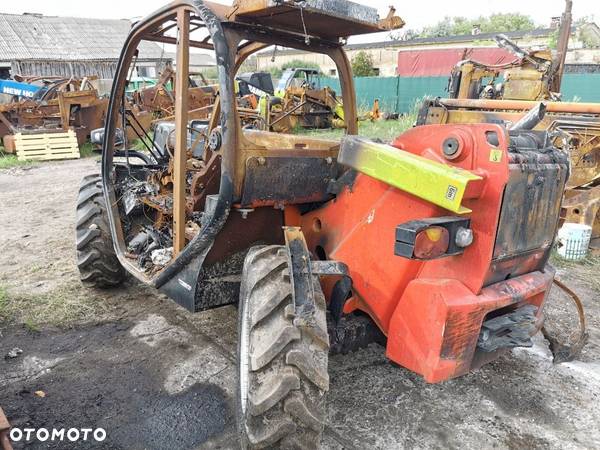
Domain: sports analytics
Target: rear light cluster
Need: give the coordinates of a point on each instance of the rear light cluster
(433, 238)
(431, 243)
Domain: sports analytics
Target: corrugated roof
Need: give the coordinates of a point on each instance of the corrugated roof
(196, 59)
(39, 37)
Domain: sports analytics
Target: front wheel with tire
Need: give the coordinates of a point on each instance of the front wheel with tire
(97, 262)
(283, 377)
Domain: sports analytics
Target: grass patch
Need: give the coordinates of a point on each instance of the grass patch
(386, 130)
(8, 161)
(3, 300)
(585, 270)
(87, 150)
(60, 307)
(589, 261)
(30, 326)
(142, 144)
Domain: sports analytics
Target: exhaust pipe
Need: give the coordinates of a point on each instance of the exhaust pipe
(531, 119)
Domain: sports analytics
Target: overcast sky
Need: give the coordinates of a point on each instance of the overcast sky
(417, 14)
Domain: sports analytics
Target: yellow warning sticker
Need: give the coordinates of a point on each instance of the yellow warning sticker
(496, 155)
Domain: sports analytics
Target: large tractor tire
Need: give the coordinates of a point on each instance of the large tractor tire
(96, 259)
(283, 377)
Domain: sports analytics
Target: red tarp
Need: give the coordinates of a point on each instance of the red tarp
(437, 63)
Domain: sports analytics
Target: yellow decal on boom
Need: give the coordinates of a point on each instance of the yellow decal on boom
(496, 155)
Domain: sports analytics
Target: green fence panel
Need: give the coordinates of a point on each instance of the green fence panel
(385, 89)
(401, 94)
(582, 87)
(333, 83)
(412, 90)
(395, 94)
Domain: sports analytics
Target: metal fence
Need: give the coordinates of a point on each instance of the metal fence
(400, 94)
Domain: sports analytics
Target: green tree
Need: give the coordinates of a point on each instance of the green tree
(300, 64)
(496, 23)
(362, 65)
(508, 22)
(553, 39)
(584, 20)
(585, 32)
(276, 72)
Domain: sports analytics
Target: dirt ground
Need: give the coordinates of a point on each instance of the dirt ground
(156, 377)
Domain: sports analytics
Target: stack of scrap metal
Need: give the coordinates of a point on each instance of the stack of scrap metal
(60, 105)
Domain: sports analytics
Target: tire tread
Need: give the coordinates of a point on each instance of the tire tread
(288, 379)
(97, 262)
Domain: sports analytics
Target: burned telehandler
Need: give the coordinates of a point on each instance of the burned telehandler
(436, 247)
(160, 98)
(531, 76)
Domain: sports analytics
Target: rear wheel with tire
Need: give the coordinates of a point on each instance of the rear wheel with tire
(283, 377)
(96, 259)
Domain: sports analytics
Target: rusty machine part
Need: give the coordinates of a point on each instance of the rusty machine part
(148, 106)
(160, 98)
(155, 104)
(4, 430)
(533, 75)
(528, 77)
(564, 352)
(60, 105)
(300, 102)
(305, 108)
(441, 240)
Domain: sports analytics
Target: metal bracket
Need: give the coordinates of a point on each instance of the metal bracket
(300, 274)
(342, 288)
(339, 295)
(330, 268)
(302, 270)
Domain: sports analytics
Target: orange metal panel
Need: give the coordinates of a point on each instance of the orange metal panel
(435, 328)
(358, 228)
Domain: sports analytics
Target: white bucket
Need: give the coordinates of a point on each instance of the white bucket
(574, 241)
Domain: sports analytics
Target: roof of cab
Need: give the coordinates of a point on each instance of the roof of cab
(327, 19)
